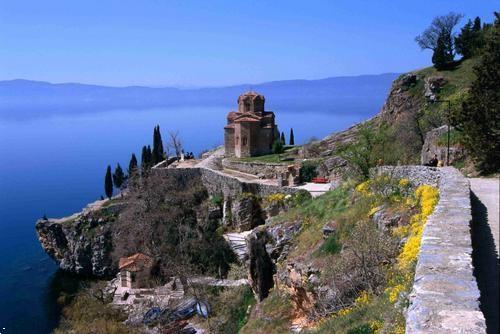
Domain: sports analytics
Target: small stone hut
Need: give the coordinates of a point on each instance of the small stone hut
(251, 130)
(135, 270)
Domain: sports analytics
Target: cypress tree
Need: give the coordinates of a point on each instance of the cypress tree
(160, 145)
(291, 139)
(157, 151)
(283, 142)
(108, 183)
(149, 155)
(118, 176)
(132, 166)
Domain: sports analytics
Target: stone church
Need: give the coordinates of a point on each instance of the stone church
(251, 130)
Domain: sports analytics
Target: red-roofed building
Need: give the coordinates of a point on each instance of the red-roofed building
(250, 131)
(135, 270)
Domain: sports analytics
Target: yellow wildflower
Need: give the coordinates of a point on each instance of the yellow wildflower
(404, 182)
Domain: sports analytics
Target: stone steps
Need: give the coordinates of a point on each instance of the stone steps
(238, 243)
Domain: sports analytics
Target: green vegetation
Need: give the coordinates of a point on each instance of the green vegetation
(108, 183)
(291, 138)
(118, 177)
(455, 138)
(368, 275)
(230, 309)
(470, 40)
(438, 38)
(308, 170)
(158, 152)
(278, 146)
(373, 146)
(132, 166)
(88, 313)
(479, 117)
(273, 315)
(146, 158)
(330, 246)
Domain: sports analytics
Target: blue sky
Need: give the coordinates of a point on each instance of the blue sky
(215, 42)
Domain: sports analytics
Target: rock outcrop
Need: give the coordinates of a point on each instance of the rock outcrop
(433, 145)
(80, 244)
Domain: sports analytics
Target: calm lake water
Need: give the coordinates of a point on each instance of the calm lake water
(55, 165)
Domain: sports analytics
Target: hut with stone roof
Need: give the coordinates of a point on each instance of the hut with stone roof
(135, 270)
(250, 131)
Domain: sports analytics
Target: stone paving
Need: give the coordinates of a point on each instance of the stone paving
(487, 191)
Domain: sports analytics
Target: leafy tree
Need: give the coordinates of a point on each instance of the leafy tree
(282, 139)
(479, 117)
(132, 166)
(443, 54)
(108, 183)
(157, 154)
(440, 25)
(292, 138)
(278, 147)
(119, 177)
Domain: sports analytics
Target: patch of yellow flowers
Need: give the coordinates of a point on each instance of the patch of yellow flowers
(275, 198)
(427, 197)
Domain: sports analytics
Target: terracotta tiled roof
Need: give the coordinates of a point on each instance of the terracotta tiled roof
(136, 262)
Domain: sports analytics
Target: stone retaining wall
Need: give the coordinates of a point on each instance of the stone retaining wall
(267, 170)
(445, 295)
(218, 183)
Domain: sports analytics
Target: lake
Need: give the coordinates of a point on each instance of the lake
(54, 164)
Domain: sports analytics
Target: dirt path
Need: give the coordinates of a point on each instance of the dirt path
(485, 242)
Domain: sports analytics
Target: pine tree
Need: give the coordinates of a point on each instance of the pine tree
(118, 176)
(108, 183)
(469, 42)
(291, 139)
(283, 142)
(132, 166)
(464, 41)
(479, 118)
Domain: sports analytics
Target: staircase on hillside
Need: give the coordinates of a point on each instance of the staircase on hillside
(238, 243)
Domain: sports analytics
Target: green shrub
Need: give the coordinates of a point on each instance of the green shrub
(216, 200)
(330, 246)
(278, 147)
(308, 170)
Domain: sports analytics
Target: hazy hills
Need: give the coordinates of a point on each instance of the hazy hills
(23, 97)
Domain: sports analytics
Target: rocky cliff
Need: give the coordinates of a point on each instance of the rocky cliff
(82, 242)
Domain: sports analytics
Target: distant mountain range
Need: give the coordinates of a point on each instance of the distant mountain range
(23, 96)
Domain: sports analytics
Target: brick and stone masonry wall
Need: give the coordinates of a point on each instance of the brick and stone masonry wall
(445, 295)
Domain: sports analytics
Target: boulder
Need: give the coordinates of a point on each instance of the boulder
(329, 229)
(433, 146)
(432, 86)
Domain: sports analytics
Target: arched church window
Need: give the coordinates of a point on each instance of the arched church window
(244, 141)
(247, 106)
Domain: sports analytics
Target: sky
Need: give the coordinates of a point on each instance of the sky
(188, 43)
